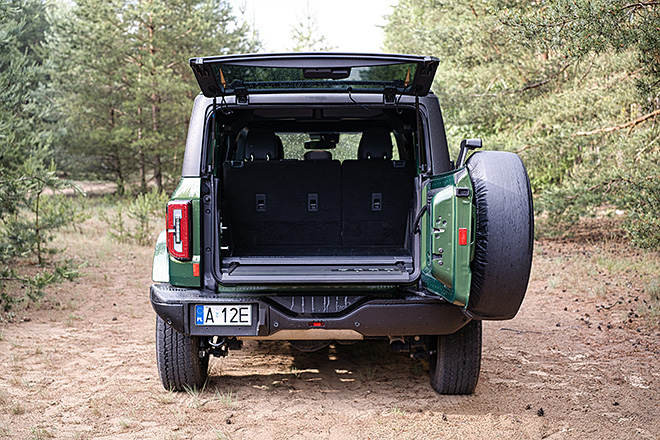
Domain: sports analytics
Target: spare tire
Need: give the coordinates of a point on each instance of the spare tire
(504, 235)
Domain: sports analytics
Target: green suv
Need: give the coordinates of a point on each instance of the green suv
(318, 203)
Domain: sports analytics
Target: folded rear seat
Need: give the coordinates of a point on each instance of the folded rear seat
(276, 203)
(377, 193)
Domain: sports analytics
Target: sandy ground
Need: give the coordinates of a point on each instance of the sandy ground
(576, 363)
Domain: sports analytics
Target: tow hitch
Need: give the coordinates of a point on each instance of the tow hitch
(219, 346)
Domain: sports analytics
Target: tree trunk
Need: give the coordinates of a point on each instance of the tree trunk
(141, 156)
(115, 161)
(37, 231)
(155, 109)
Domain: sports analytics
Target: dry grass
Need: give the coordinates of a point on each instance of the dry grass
(40, 433)
(88, 245)
(201, 397)
(608, 271)
(16, 409)
(126, 424)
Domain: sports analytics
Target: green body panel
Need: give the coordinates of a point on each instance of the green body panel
(181, 272)
(160, 272)
(446, 264)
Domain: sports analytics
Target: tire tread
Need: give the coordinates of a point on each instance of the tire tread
(179, 365)
(456, 364)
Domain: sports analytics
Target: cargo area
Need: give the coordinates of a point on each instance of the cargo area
(315, 218)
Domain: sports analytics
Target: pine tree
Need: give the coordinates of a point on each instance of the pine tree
(305, 34)
(624, 172)
(128, 86)
(567, 84)
(28, 133)
(20, 75)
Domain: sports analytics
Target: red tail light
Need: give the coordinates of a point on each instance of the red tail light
(178, 229)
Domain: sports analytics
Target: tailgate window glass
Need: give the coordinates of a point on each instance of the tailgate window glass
(279, 79)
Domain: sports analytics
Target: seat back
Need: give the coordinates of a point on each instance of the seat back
(283, 203)
(376, 193)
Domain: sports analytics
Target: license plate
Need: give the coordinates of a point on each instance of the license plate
(223, 315)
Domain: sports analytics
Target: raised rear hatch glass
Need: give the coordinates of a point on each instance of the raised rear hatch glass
(314, 72)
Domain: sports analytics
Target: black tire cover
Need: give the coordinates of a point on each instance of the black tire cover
(504, 236)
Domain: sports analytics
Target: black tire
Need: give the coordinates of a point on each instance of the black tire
(504, 235)
(454, 367)
(179, 364)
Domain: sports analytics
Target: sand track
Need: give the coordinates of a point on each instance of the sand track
(566, 367)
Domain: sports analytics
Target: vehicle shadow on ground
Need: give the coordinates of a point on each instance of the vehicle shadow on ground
(338, 372)
(362, 361)
(367, 371)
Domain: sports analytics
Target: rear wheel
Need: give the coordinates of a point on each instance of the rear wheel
(179, 363)
(455, 365)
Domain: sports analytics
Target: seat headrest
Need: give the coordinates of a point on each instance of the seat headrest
(375, 144)
(261, 144)
(318, 155)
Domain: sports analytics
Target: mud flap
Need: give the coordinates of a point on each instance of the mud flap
(448, 236)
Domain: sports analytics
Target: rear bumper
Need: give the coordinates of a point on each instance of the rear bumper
(401, 316)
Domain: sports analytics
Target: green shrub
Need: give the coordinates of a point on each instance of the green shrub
(142, 211)
(643, 223)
